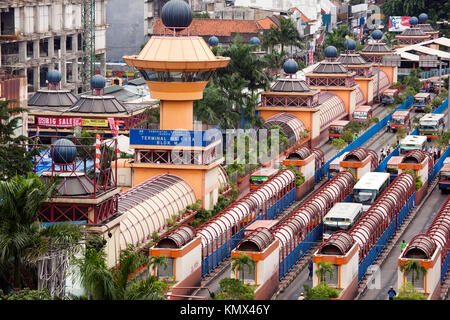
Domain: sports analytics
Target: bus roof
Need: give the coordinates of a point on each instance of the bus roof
(413, 139)
(400, 113)
(395, 160)
(447, 160)
(341, 123)
(372, 180)
(446, 167)
(422, 95)
(344, 210)
(391, 90)
(363, 108)
(432, 117)
(265, 172)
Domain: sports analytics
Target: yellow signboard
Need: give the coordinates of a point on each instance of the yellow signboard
(95, 123)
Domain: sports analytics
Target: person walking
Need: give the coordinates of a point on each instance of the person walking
(439, 153)
(301, 297)
(403, 245)
(310, 268)
(388, 126)
(391, 293)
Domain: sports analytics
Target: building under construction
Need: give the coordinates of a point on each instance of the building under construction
(69, 35)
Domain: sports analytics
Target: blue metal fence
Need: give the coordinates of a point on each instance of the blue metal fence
(442, 107)
(434, 73)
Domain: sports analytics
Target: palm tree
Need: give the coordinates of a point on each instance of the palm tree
(286, 34)
(23, 240)
(415, 267)
(240, 262)
(120, 282)
(158, 261)
(324, 268)
(337, 37)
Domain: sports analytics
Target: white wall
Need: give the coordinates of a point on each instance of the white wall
(187, 264)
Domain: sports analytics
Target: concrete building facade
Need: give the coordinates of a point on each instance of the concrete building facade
(37, 36)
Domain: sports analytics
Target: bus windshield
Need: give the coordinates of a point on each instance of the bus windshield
(336, 129)
(419, 100)
(398, 120)
(444, 175)
(360, 114)
(428, 126)
(364, 196)
(257, 182)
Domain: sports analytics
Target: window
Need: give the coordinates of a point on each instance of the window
(166, 76)
(418, 283)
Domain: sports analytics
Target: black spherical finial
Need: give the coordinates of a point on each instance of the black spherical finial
(213, 41)
(413, 21)
(423, 17)
(176, 14)
(350, 44)
(64, 152)
(54, 76)
(331, 52)
(290, 66)
(98, 82)
(377, 35)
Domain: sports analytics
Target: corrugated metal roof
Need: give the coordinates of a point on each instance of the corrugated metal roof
(331, 108)
(290, 123)
(147, 206)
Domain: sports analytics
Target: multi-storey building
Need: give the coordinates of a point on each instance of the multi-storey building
(37, 36)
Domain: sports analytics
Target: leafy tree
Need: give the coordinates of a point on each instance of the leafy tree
(324, 269)
(409, 293)
(355, 127)
(201, 15)
(14, 156)
(338, 144)
(414, 267)
(299, 177)
(417, 179)
(159, 261)
(286, 34)
(436, 102)
(320, 292)
(389, 39)
(400, 133)
(27, 294)
(239, 263)
(234, 289)
(336, 38)
(23, 240)
(120, 282)
(347, 136)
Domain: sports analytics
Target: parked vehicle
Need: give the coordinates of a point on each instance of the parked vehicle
(389, 96)
(431, 125)
(260, 176)
(362, 113)
(342, 216)
(336, 128)
(421, 100)
(412, 142)
(400, 119)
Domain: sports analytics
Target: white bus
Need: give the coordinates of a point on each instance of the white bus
(431, 125)
(412, 142)
(369, 187)
(341, 217)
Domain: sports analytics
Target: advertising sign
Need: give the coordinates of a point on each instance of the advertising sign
(170, 137)
(95, 123)
(58, 122)
(398, 23)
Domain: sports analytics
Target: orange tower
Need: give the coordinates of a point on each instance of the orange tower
(177, 69)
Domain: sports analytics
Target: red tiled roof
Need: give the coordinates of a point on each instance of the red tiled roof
(217, 27)
(266, 23)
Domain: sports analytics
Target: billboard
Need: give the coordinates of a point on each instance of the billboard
(398, 23)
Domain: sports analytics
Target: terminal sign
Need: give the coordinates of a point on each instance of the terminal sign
(170, 137)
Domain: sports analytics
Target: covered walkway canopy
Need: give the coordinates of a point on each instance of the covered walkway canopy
(146, 207)
(292, 126)
(384, 82)
(331, 108)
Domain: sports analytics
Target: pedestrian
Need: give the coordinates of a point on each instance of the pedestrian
(301, 297)
(403, 245)
(439, 153)
(435, 155)
(310, 268)
(391, 293)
